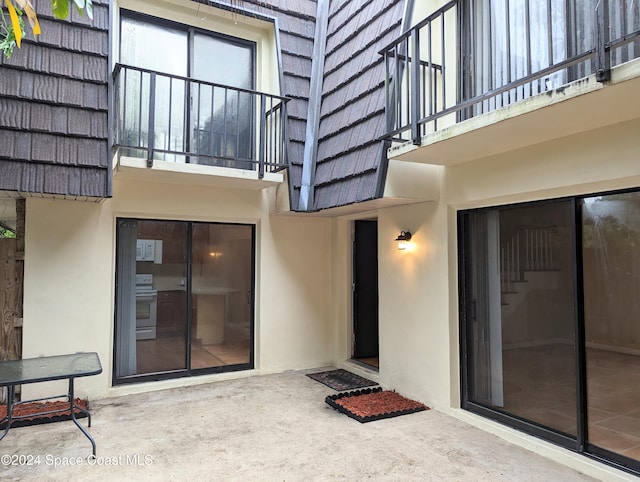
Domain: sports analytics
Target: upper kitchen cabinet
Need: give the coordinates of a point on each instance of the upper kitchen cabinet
(173, 236)
(150, 230)
(175, 243)
(207, 111)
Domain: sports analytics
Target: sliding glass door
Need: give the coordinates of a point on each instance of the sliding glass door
(550, 331)
(611, 259)
(197, 94)
(184, 298)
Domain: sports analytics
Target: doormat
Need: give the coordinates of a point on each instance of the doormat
(373, 404)
(341, 380)
(35, 409)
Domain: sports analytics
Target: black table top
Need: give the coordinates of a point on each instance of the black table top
(47, 368)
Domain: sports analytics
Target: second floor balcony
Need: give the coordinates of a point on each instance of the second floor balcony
(479, 77)
(178, 125)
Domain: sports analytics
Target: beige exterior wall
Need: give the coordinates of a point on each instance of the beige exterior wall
(303, 312)
(70, 277)
(419, 335)
(418, 289)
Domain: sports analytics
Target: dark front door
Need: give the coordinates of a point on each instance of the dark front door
(365, 292)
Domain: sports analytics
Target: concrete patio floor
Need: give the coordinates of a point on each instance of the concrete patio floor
(274, 427)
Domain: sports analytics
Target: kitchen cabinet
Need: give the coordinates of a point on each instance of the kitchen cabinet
(175, 243)
(200, 244)
(173, 235)
(172, 313)
(149, 230)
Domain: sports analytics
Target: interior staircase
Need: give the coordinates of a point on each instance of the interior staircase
(528, 261)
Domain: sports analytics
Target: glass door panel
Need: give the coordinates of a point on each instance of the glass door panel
(164, 347)
(222, 295)
(522, 316)
(611, 260)
(151, 298)
(140, 43)
(222, 116)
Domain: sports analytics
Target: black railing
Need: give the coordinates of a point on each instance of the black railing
(467, 58)
(162, 117)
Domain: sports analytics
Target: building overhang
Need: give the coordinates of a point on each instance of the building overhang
(406, 183)
(577, 107)
(135, 169)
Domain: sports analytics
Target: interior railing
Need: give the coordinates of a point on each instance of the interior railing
(465, 59)
(530, 248)
(169, 118)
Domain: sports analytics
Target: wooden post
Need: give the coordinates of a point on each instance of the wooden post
(8, 292)
(20, 220)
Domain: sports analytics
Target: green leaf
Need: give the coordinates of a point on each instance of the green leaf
(7, 46)
(60, 8)
(79, 6)
(8, 35)
(89, 8)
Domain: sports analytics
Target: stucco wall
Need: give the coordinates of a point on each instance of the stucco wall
(414, 317)
(303, 314)
(69, 277)
(419, 346)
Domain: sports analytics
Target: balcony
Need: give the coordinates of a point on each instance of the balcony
(176, 129)
(471, 81)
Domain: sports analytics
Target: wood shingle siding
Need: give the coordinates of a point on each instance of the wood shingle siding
(53, 108)
(296, 22)
(352, 117)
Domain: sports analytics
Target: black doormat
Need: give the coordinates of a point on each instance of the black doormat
(31, 413)
(341, 380)
(373, 404)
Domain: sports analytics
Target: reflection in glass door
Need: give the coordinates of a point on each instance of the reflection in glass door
(222, 116)
(212, 119)
(611, 254)
(140, 42)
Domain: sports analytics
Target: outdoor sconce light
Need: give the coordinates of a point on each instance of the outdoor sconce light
(403, 238)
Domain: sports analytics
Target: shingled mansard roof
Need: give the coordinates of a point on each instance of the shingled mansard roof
(53, 100)
(352, 117)
(296, 24)
(346, 162)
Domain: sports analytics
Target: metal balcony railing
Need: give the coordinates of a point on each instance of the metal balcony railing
(169, 118)
(473, 56)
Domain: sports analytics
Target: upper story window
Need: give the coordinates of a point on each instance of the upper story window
(185, 94)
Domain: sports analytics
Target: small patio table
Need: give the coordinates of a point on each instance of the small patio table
(45, 369)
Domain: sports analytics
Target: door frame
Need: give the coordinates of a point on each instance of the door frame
(580, 443)
(188, 371)
(356, 292)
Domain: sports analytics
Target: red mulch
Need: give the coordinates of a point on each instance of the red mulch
(378, 403)
(372, 404)
(36, 408)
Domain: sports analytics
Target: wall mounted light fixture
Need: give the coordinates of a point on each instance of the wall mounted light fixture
(403, 238)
